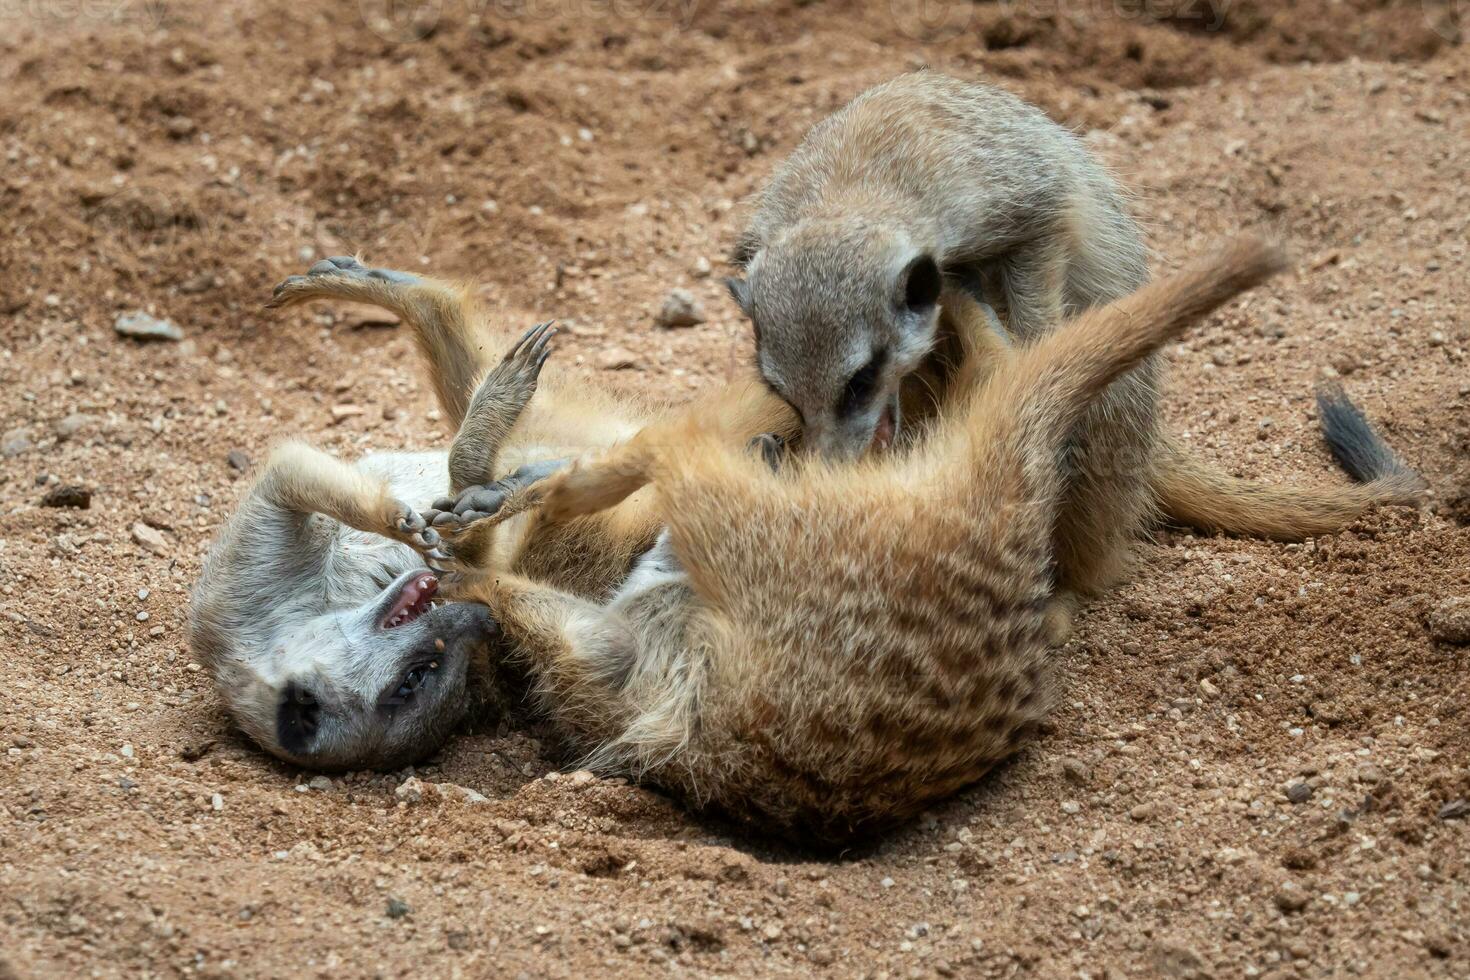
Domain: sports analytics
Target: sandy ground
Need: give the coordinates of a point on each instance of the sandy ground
(580, 158)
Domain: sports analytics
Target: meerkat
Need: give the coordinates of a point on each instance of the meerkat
(921, 187)
(294, 613)
(317, 613)
(826, 650)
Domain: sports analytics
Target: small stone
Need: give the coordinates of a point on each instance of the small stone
(202, 283)
(411, 790)
(680, 309)
(1299, 792)
(1450, 621)
(71, 425)
(1207, 689)
(217, 802)
(701, 268)
(321, 784)
(1142, 811)
(341, 413)
(1455, 810)
(68, 495)
(616, 359)
(886, 883)
(1290, 898)
(14, 442)
(397, 908)
(237, 460)
(141, 326)
(1071, 807)
(151, 539)
(180, 126)
(195, 750)
(1075, 771)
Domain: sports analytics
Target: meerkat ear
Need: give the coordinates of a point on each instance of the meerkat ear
(921, 282)
(740, 290)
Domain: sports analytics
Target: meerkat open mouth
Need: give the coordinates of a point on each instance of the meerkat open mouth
(413, 601)
(886, 429)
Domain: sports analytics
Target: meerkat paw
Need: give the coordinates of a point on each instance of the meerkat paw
(521, 366)
(324, 279)
(466, 585)
(771, 448)
(1058, 618)
(412, 528)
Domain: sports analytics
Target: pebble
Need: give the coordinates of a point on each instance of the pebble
(1450, 621)
(1075, 771)
(14, 442)
(340, 413)
(320, 783)
(237, 460)
(616, 359)
(1142, 811)
(1207, 689)
(1455, 810)
(680, 309)
(68, 495)
(217, 801)
(1071, 807)
(1299, 792)
(397, 908)
(67, 427)
(142, 326)
(702, 268)
(1290, 898)
(151, 539)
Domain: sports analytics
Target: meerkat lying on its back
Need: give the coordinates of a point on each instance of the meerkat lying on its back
(827, 650)
(316, 615)
(924, 182)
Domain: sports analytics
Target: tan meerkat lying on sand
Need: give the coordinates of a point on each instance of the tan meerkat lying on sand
(825, 650)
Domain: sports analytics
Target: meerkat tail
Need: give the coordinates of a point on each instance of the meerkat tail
(1356, 445)
(1051, 382)
(1192, 492)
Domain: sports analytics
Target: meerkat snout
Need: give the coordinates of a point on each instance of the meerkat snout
(838, 348)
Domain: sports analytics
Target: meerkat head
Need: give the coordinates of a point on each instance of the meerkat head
(843, 311)
(375, 685)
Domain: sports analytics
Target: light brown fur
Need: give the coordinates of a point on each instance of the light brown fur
(834, 647)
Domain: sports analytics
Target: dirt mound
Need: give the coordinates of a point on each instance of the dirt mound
(1260, 764)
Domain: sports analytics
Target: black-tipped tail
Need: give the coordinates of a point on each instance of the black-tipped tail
(1354, 443)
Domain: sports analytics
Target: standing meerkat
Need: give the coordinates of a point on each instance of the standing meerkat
(923, 183)
(826, 650)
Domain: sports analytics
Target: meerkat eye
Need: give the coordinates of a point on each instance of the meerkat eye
(861, 385)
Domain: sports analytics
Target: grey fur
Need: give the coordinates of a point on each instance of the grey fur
(994, 192)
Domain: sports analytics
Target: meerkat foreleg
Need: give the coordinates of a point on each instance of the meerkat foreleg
(305, 480)
(578, 653)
